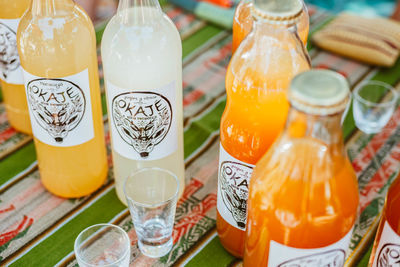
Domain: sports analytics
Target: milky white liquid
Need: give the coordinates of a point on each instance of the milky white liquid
(141, 50)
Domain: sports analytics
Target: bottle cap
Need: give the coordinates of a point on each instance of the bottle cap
(278, 11)
(319, 92)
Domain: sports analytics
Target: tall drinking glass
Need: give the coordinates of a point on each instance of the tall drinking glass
(152, 194)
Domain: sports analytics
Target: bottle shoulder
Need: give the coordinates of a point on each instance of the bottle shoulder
(70, 24)
(57, 45)
(279, 60)
(146, 25)
(146, 44)
(393, 205)
(13, 9)
(306, 165)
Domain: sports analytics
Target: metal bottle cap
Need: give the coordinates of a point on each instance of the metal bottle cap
(278, 11)
(319, 92)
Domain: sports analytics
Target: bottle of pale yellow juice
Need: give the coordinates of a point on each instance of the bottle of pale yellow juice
(142, 59)
(57, 46)
(12, 80)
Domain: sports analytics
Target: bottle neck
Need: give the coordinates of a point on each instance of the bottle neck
(50, 7)
(138, 11)
(286, 35)
(264, 24)
(276, 17)
(125, 4)
(326, 129)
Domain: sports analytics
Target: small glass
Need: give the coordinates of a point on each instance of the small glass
(152, 194)
(103, 245)
(373, 105)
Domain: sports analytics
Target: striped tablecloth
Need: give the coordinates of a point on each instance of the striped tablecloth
(39, 229)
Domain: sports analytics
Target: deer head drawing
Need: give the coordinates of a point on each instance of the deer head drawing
(332, 258)
(234, 197)
(58, 116)
(143, 132)
(9, 60)
(143, 138)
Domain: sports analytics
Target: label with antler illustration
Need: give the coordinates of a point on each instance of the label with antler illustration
(233, 189)
(143, 123)
(60, 109)
(388, 249)
(333, 255)
(10, 67)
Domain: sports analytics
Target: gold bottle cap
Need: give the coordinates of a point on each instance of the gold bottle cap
(285, 12)
(319, 92)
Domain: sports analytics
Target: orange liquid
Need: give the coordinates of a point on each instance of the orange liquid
(256, 109)
(243, 23)
(302, 196)
(79, 170)
(14, 94)
(390, 214)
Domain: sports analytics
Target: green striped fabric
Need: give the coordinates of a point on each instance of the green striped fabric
(52, 249)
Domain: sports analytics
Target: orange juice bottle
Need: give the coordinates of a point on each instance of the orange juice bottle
(303, 194)
(57, 47)
(243, 22)
(256, 83)
(12, 80)
(386, 250)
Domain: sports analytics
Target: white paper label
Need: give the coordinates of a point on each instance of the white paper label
(10, 67)
(233, 189)
(333, 255)
(144, 125)
(60, 109)
(388, 250)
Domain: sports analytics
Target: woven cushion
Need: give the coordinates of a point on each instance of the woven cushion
(375, 41)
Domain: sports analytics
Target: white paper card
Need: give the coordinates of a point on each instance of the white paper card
(333, 255)
(388, 250)
(10, 66)
(143, 122)
(60, 109)
(233, 189)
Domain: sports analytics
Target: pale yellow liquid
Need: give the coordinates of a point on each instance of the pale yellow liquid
(139, 54)
(71, 48)
(14, 94)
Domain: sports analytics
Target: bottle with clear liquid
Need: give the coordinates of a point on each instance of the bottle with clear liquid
(257, 80)
(142, 60)
(57, 47)
(243, 23)
(303, 194)
(386, 249)
(11, 77)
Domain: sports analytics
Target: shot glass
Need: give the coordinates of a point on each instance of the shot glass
(151, 194)
(373, 105)
(103, 245)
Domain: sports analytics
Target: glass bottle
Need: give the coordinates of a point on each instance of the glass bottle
(243, 23)
(386, 249)
(11, 77)
(57, 46)
(303, 194)
(256, 84)
(142, 61)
